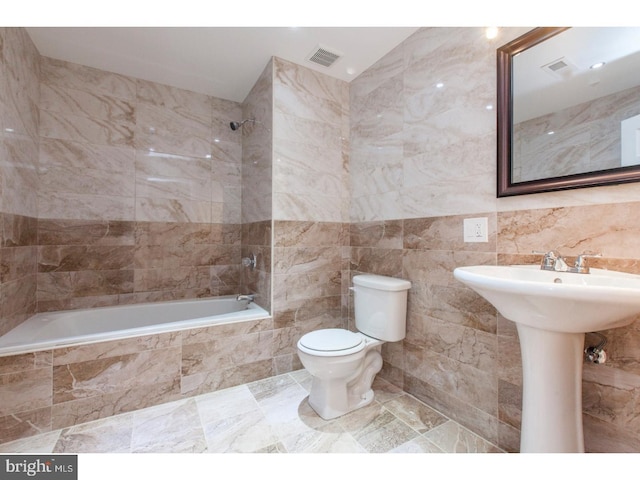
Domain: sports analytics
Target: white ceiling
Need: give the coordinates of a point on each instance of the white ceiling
(538, 91)
(223, 62)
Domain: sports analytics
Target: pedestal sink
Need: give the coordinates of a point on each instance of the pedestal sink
(552, 312)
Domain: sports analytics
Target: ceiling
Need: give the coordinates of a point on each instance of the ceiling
(223, 62)
(539, 89)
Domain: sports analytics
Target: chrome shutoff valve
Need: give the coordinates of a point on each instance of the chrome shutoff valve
(595, 355)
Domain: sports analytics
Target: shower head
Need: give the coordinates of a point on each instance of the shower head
(236, 125)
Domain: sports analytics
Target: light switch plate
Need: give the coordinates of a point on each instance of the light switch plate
(476, 229)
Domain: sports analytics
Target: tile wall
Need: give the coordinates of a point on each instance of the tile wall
(19, 97)
(423, 159)
(310, 205)
(257, 186)
(49, 390)
(140, 191)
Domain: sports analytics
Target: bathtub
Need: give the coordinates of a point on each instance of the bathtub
(45, 331)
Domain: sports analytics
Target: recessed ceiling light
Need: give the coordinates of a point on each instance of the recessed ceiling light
(595, 66)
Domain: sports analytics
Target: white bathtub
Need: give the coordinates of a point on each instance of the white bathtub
(76, 327)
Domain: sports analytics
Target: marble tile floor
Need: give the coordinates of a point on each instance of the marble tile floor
(266, 416)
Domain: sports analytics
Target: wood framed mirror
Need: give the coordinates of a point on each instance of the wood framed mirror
(563, 124)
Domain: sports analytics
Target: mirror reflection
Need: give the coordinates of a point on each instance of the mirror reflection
(575, 108)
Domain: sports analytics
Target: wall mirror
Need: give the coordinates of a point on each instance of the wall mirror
(568, 109)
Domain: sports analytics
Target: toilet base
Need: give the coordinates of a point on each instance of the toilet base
(332, 398)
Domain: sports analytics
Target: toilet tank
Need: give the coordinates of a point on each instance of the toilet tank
(380, 305)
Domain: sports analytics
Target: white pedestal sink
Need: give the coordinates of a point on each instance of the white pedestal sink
(552, 312)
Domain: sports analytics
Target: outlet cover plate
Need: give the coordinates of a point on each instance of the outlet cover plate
(476, 229)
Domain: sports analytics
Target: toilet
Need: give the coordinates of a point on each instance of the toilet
(343, 363)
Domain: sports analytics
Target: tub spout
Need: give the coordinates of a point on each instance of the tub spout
(248, 298)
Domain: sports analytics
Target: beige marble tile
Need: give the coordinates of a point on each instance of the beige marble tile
(43, 443)
(452, 438)
(24, 424)
(269, 415)
(84, 129)
(414, 413)
(474, 386)
(116, 348)
(65, 100)
(113, 403)
(245, 433)
(174, 427)
(417, 445)
(226, 353)
(71, 75)
(384, 432)
(97, 377)
(173, 98)
(24, 391)
(74, 206)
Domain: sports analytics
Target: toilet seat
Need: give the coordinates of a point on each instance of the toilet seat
(331, 342)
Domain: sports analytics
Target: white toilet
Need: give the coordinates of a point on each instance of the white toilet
(342, 363)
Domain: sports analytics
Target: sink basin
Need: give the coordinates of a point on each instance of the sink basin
(552, 312)
(557, 301)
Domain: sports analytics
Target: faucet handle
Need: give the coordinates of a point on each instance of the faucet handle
(549, 259)
(581, 262)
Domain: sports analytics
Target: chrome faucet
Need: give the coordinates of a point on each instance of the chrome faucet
(249, 298)
(555, 262)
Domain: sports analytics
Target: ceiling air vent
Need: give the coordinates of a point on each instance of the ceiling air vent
(560, 67)
(323, 56)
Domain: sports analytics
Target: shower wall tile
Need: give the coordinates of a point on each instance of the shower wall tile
(80, 128)
(136, 150)
(81, 232)
(65, 258)
(20, 64)
(19, 181)
(19, 121)
(256, 212)
(75, 101)
(257, 151)
(256, 241)
(176, 99)
(92, 80)
(83, 264)
(17, 269)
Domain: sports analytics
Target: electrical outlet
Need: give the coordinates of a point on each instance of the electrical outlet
(476, 229)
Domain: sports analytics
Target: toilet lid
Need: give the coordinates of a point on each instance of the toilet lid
(331, 340)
